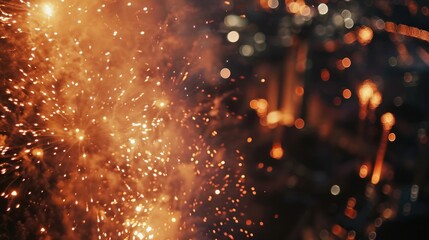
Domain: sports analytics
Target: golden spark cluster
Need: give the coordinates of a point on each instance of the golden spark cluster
(101, 136)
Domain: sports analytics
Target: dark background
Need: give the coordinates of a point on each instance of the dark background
(295, 201)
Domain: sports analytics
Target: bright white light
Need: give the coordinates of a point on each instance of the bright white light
(323, 9)
(48, 10)
(233, 36)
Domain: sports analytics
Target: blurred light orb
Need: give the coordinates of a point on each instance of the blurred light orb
(380, 24)
(299, 123)
(305, 10)
(234, 21)
(346, 14)
(388, 120)
(392, 137)
(375, 100)
(338, 20)
(323, 9)
(274, 117)
(233, 36)
(277, 151)
(293, 7)
(347, 94)
(335, 190)
(37, 152)
(273, 4)
(225, 73)
(348, 23)
(363, 171)
(246, 50)
(259, 38)
(365, 35)
(346, 62)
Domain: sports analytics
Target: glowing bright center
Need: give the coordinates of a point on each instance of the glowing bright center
(48, 10)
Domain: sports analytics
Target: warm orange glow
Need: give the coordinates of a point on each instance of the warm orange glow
(299, 91)
(387, 213)
(351, 203)
(225, 73)
(365, 35)
(273, 118)
(96, 104)
(350, 211)
(347, 94)
(48, 10)
(260, 105)
(407, 31)
(264, 4)
(293, 7)
(277, 151)
(37, 152)
(330, 46)
(375, 100)
(338, 230)
(288, 119)
(365, 91)
(349, 38)
(299, 123)
(363, 171)
(392, 137)
(304, 10)
(388, 120)
(346, 62)
(254, 104)
(325, 75)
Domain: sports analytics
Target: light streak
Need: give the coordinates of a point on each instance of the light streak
(387, 120)
(408, 31)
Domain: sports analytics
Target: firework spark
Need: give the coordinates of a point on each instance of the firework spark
(100, 134)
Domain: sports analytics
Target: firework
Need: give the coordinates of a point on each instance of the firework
(101, 135)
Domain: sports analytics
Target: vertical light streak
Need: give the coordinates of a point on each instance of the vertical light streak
(387, 120)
